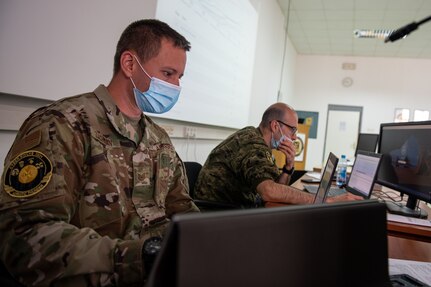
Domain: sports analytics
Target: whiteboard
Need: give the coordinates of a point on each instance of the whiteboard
(216, 87)
(51, 49)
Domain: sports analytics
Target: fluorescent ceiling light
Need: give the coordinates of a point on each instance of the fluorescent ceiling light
(380, 34)
(390, 35)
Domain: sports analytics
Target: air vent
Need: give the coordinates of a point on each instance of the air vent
(349, 66)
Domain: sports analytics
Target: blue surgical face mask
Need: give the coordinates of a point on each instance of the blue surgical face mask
(160, 97)
(274, 143)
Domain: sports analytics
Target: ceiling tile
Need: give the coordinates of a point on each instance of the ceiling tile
(401, 17)
(426, 5)
(367, 15)
(312, 15)
(338, 4)
(373, 5)
(404, 5)
(305, 5)
(312, 26)
(339, 15)
(339, 24)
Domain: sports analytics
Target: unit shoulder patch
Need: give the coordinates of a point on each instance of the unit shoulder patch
(269, 157)
(28, 142)
(27, 174)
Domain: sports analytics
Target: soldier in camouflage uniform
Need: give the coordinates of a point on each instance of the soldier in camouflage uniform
(90, 178)
(242, 171)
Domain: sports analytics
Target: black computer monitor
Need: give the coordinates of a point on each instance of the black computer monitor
(367, 142)
(337, 244)
(406, 164)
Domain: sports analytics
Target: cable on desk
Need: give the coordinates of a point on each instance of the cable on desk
(383, 195)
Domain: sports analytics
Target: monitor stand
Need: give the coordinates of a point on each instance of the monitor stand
(406, 210)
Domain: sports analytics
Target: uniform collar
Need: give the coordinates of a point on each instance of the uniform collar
(118, 120)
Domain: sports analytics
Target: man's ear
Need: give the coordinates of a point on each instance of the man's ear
(127, 63)
(273, 126)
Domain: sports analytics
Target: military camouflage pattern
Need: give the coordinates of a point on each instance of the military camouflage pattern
(235, 168)
(109, 191)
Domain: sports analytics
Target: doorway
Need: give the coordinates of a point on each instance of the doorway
(343, 124)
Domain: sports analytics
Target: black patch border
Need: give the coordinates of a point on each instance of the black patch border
(14, 188)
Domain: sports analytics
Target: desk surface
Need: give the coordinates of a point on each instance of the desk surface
(405, 241)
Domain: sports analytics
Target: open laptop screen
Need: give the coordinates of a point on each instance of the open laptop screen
(364, 173)
(325, 182)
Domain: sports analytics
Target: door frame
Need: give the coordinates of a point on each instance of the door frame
(343, 108)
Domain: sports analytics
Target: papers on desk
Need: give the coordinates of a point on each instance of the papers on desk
(408, 220)
(314, 174)
(417, 269)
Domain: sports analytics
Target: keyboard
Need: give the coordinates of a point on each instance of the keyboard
(405, 280)
(333, 191)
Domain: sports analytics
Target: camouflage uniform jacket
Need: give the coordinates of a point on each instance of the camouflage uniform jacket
(235, 168)
(81, 191)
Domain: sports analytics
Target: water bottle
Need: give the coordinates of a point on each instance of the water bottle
(342, 171)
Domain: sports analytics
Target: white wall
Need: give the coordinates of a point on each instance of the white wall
(379, 85)
(69, 45)
(287, 90)
(269, 58)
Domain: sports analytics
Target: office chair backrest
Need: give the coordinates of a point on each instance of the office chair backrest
(192, 169)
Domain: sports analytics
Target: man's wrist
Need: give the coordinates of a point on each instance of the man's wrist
(288, 171)
(149, 252)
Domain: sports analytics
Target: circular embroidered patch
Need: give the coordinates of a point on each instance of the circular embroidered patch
(299, 146)
(27, 174)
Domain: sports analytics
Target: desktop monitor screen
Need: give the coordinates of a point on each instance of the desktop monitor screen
(367, 142)
(364, 173)
(338, 244)
(406, 162)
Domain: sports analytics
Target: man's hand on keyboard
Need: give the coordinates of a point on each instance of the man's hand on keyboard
(344, 197)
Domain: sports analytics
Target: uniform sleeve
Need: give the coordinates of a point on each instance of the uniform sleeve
(178, 199)
(255, 164)
(44, 173)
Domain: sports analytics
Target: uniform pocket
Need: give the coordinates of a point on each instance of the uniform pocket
(164, 176)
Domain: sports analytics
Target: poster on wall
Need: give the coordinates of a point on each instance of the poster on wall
(299, 144)
(421, 115)
(311, 119)
(401, 115)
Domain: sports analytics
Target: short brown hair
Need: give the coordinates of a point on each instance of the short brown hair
(144, 37)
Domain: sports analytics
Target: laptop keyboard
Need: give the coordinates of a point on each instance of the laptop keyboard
(333, 191)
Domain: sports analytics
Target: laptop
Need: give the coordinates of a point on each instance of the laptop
(325, 182)
(362, 177)
(223, 248)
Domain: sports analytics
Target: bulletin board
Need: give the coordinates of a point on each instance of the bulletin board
(310, 119)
